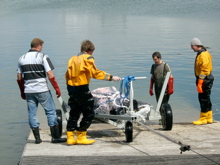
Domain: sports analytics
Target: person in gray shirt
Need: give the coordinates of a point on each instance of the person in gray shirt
(158, 71)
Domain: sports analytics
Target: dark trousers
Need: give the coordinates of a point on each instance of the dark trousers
(166, 97)
(204, 98)
(80, 101)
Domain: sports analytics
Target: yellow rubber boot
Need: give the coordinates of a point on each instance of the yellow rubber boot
(70, 138)
(202, 119)
(81, 138)
(209, 117)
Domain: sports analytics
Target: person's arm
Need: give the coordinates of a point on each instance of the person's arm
(116, 78)
(99, 74)
(170, 88)
(19, 76)
(170, 84)
(204, 61)
(20, 82)
(151, 86)
(54, 83)
(151, 80)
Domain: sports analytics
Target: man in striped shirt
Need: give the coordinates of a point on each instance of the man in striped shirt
(33, 69)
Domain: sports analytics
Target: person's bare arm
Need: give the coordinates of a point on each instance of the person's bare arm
(19, 76)
(50, 74)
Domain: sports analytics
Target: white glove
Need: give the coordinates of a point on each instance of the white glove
(116, 78)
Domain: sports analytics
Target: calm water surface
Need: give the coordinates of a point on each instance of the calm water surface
(125, 33)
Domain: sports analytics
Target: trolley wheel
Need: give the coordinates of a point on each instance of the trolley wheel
(129, 131)
(167, 116)
(59, 120)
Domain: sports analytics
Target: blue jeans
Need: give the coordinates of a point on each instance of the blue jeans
(46, 101)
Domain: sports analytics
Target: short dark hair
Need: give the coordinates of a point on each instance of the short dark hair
(36, 42)
(87, 46)
(156, 54)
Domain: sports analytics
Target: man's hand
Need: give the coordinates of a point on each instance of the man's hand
(151, 86)
(21, 86)
(56, 87)
(151, 92)
(116, 78)
(199, 85)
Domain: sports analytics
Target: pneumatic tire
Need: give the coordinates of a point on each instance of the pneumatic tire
(167, 116)
(129, 131)
(59, 120)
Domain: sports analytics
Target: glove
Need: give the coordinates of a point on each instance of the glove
(116, 78)
(21, 86)
(151, 87)
(170, 89)
(199, 85)
(55, 86)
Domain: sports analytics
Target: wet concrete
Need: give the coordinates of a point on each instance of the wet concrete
(148, 147)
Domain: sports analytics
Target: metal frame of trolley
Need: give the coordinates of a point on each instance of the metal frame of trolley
(125, 121)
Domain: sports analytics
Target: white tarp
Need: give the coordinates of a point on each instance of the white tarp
(108, 101)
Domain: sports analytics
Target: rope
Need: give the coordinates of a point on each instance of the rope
(183, 147)
(125, 84)
(174, 141)
(205, 157)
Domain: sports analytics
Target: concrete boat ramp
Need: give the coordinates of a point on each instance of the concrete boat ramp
(147, 147)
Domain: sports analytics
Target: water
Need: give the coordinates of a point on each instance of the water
(125, 33)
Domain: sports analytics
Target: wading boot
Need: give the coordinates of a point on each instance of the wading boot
(36, 135)
(81, 138)
(70, 138)
(56, 138)
(202, 119)
(209, 117)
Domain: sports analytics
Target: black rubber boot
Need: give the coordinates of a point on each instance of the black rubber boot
(36, 135)
(56, 138)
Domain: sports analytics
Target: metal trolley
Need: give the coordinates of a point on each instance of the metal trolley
(125, 121)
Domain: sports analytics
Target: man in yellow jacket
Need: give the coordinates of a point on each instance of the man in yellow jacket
(204, 81)
(80, 69)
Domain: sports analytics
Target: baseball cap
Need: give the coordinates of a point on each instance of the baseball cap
(196, 41)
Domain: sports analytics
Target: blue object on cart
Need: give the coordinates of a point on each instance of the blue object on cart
(125, 86)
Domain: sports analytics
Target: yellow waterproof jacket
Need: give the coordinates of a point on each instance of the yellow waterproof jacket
(203, 64)
(81, 68)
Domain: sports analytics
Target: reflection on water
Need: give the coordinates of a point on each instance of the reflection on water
(125, 34)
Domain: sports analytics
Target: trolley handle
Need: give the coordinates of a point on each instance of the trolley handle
(136, 78)
(140, 78)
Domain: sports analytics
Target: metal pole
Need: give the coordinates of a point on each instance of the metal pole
(65, 107)
(162, 91)
(131, 108)
(183, 147)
